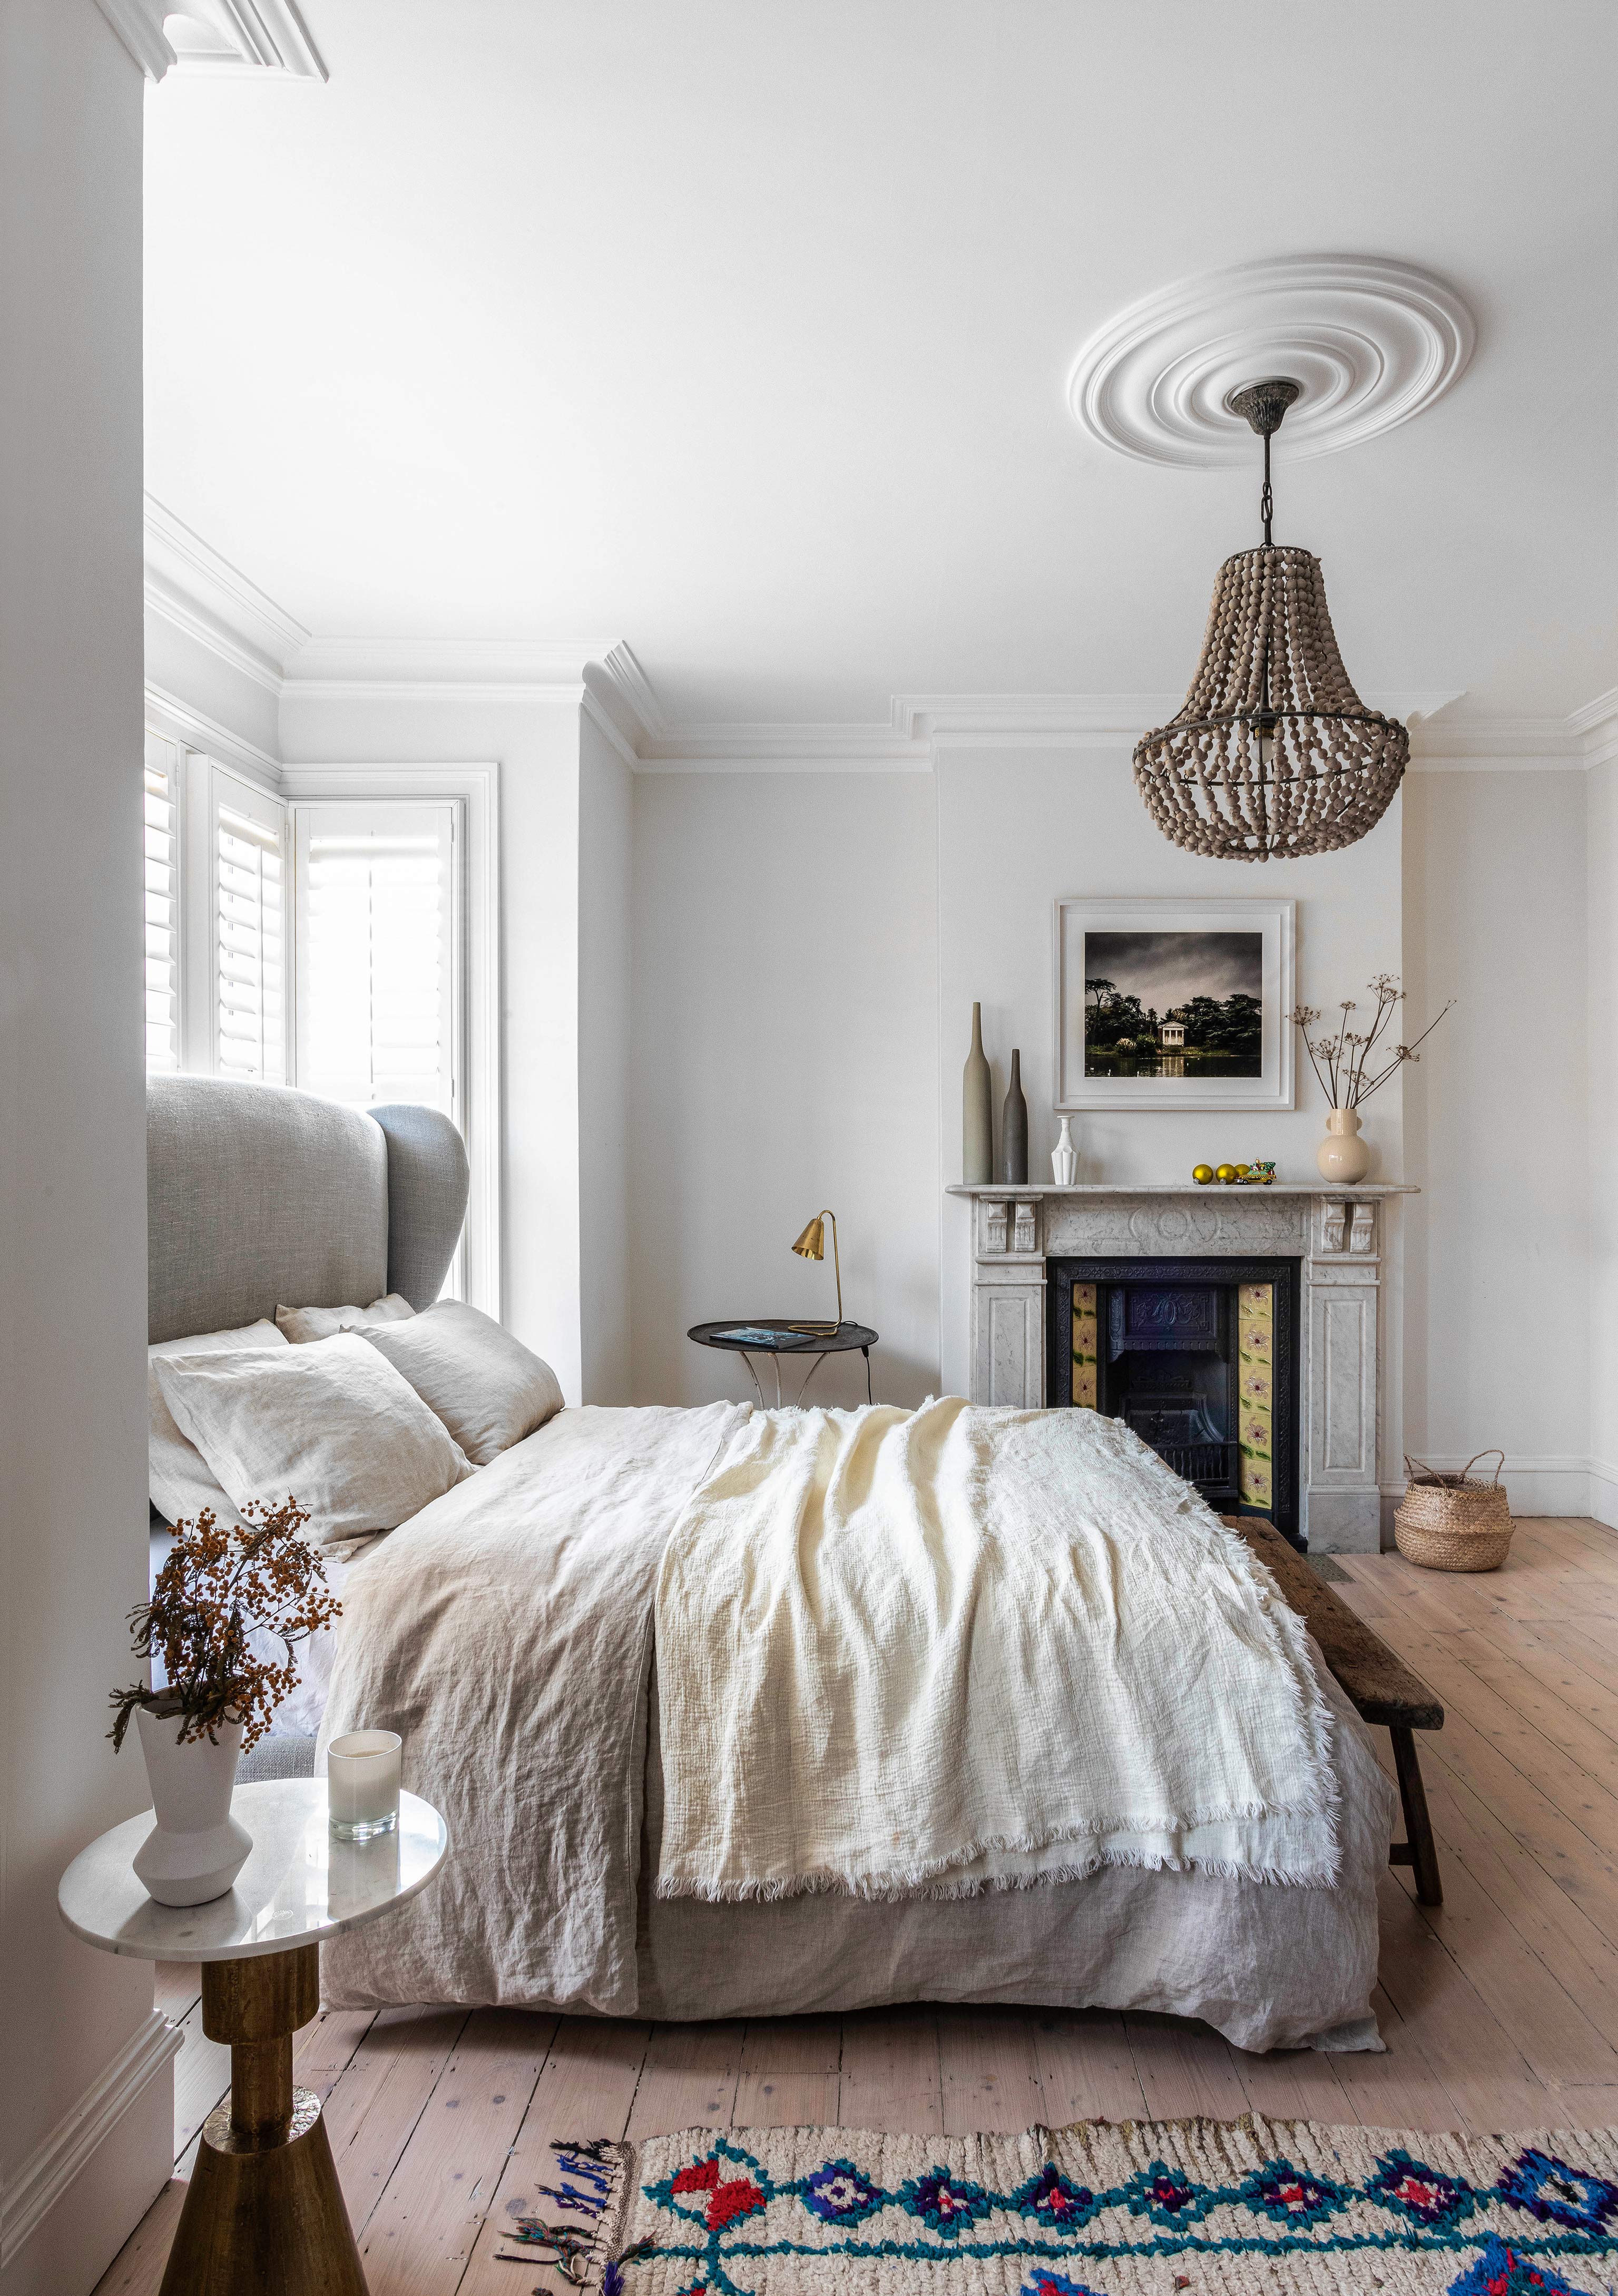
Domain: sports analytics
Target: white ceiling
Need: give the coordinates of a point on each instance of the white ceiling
(742, 331)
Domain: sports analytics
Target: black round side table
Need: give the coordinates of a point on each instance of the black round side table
(747, 1337)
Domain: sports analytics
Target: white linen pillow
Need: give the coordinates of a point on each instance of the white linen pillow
(178, 1477)
(299, 1325)
(485, 1386)
(332, 1425)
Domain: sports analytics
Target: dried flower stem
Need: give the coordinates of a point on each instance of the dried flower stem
(1340, 1062)
(217, 1586)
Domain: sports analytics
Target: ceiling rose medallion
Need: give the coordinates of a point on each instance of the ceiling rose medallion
(1273, 752)
(1371, 342)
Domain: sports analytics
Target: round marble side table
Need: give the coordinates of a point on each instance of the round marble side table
(264, 2215)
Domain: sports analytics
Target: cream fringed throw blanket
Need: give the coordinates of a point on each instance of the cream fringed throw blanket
(959, 1648)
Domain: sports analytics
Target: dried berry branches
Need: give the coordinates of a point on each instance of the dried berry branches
(217, 1586)
(1340, 1062)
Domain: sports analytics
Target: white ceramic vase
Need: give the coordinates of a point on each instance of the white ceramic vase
(1343, 1156)
(196, 1850)
(1064, 1157)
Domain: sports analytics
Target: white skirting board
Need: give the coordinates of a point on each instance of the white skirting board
(1603, 1492)
(86, 2184)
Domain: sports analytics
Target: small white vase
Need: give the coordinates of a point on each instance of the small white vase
(1064, 1157)
(196, 1850)
(1343, 1156)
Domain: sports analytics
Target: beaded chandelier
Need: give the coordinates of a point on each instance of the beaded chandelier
(1273, 750)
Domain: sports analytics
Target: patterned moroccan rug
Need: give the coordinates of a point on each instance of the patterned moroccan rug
(1126, 2209)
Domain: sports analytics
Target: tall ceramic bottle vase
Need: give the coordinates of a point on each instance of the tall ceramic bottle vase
(977, 1135)
(1014, 1130)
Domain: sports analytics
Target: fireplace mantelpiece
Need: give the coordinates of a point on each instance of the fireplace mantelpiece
(1337, 1235)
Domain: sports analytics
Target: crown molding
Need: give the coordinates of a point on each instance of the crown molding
(1586, 737)
(619, 701)
(920, 726)
(627, 689)
(230, 36)
(194, 588)
(1032, 721)
(1596, 726)
(198, 591)
(247, 36)
(741, 747)
(139, 25)
(438, 669)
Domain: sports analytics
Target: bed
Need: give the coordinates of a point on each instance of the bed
(506, 1630)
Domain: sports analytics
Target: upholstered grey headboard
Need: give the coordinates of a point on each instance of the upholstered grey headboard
(259, 1196)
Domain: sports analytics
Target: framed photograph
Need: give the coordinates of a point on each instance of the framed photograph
(1173, 1003)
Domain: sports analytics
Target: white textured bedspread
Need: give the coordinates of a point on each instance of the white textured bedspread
(960, 1648)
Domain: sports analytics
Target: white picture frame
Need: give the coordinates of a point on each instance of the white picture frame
(1274, 921)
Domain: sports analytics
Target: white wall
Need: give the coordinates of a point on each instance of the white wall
(536, 743)
(1602, 1048)
(1498, 1253)
(1019, 829)
(606, 923)
(784, 1059)
(72, 1120)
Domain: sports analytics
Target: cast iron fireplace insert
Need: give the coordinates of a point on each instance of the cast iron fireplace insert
(1199, 1357)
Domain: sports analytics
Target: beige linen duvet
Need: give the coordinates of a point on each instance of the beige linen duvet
(507, 1632)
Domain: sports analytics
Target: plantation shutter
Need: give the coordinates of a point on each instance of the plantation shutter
(249, 932)
(377, 955)
(161, 832)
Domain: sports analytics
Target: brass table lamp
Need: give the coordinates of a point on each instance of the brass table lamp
(811, 1245)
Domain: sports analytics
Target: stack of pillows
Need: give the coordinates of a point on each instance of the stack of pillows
(363, 1414)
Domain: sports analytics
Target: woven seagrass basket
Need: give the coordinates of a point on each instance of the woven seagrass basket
(1452, 1523)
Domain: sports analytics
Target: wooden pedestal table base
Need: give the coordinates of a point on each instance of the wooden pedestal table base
(263, 2211)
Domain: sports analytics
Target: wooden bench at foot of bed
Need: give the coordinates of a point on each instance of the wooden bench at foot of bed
(1382, 1688)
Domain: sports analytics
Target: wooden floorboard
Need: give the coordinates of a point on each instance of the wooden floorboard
(791, 2072)
(1500, 2008)
(891, 2078)
(989, 2070)
(422, 2231)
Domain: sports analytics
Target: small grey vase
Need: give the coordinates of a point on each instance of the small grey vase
(977, 1135)
(1014, 1130)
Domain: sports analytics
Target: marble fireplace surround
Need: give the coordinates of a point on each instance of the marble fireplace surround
(1338, 1236)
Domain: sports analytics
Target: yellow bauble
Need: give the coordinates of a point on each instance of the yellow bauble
(1202, 1174)
(1227, 1173)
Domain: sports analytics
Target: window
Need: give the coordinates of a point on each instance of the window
(249, 932)
(340, 938)
(377, 951)
(162, 860)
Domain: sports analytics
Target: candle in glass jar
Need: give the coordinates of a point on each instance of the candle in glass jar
(363, 1784)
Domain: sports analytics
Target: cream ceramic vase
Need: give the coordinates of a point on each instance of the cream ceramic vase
(196, 1850)
(1343, 1156)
